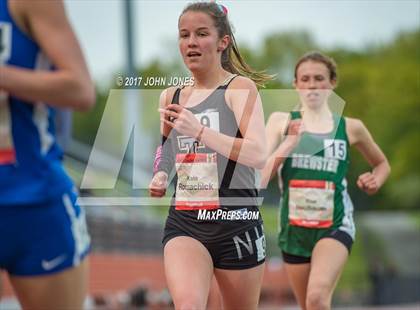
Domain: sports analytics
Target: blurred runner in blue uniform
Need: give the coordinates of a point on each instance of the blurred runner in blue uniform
(43, 236)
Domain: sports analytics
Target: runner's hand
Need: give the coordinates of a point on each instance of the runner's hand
(295, 131)
(157, 187)
(183, 120)
(368, 183)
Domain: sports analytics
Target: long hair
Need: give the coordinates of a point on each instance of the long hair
(232, 61)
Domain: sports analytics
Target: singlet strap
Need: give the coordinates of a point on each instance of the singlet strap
(228, 80)
(341, 126)
(295, 115)
(231, 165)
(175, 98)
(340, 121)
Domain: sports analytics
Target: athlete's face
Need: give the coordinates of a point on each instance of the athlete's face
(199, 42)
(313, 83)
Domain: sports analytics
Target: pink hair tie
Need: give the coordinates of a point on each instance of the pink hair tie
(223, 9)
(158, 157)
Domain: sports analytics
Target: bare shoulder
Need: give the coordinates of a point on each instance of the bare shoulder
(355, 130)
(240, 90)
(46, 23)
(354, 125)
(35, 8)
(37, 5)
(242, 82)
(19, 12)
(18, 8)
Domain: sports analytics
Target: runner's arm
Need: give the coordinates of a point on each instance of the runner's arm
(70, 84)
(245, 102)
(275, 128)
(359, 136)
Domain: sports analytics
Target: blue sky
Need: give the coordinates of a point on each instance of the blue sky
(353, 24)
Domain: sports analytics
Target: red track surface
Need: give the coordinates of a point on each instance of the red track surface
(111, 273)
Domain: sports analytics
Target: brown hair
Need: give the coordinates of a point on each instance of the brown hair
(232, 60)
(319, 57)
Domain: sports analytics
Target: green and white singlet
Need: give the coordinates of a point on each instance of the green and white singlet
(315, 199)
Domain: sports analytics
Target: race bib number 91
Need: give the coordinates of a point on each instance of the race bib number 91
(198, 185)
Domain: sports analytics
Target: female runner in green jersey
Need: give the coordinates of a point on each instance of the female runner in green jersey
(317, 228)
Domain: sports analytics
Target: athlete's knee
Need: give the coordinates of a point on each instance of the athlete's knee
(318, 298)
(190, 303)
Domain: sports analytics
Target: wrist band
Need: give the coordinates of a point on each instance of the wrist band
(200, 133)
(158, 157)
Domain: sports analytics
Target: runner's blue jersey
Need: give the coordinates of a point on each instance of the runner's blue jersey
(30, 158)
